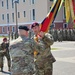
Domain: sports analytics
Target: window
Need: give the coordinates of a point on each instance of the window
(2, 4)
(65, 25)
(13, 29)
(24, 0)
(7, 4)
(33, 1)
(8, 28)
(18, 14)
(12, 3)
(17, 1)
(2, 16)
(33, 13)
(7, 18)
(24, 13)
(13, 17)
(3, 29)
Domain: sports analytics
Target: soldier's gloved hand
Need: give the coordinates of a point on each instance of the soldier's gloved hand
(41, 34)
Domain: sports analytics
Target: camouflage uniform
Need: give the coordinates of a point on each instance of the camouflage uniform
(0, 57)
(45, 58)
(5, 46)
(64, 34)
(54, 34)
(68, 34)
(22, 56)
(73, 34)
(59, 35)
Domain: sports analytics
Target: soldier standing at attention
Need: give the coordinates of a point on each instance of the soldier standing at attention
(44, 58)
(22, 50)
(5, 49)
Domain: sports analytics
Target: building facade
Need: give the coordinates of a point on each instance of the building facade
(24, 12)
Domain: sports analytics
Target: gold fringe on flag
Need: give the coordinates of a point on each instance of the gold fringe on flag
(67, 10)
(72, 11)
(71, 8)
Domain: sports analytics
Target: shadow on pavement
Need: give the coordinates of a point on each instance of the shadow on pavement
(6, 72)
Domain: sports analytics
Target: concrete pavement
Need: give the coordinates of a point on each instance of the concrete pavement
(65, 56)
(5, 69)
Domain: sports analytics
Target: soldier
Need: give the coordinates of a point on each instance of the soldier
(73, 34)
(5, 52)
(44, 58)
(68, 34)
(54, 34)
(22, 50)
(59, 35)
(64, 34)
(1, 62)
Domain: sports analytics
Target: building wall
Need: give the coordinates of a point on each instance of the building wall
(41, 8)
(0, 30)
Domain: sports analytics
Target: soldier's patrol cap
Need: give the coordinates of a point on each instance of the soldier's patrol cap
(24, 28)
(34, 24)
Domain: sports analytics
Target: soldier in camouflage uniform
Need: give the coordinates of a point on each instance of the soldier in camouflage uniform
(22, 50)
(1, 62)
(5, 52)
(73, 34)
(59, 35)
(44, 58)
(64, 34)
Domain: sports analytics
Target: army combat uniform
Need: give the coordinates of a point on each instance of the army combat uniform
(45, 59)
(5, 46)
(22, 56)
(1, 57)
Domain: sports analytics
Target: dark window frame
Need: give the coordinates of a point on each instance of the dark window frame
(2, 16)
(24, 13)
(33, 13)
(2, 3)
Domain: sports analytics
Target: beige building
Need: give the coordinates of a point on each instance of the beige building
(28, 11)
